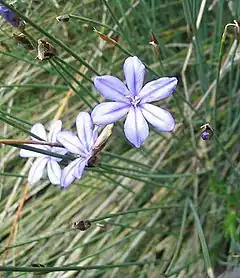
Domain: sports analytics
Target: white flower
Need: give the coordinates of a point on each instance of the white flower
(43, 161)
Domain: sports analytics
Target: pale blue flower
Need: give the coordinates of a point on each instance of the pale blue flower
(81, 145)
(133, 100)
(45, 162)
(10, 16)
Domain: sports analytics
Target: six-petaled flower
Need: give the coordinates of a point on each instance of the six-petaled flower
(43, 161)
(133, 100)
(81, 145)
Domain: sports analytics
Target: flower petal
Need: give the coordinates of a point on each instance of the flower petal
(55, 127)
(37, 170)
(58, 150)
(85, 128)
(68, 173)
(158, 89)
(39, 130)
(27, 153)
(71, 142)
(160, 118)
(136, 128)
(54, 171)
(134, 71)
(80, 168)
(111, 88)
(109, 112)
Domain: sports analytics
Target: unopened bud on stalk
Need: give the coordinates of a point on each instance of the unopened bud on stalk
(100, 144)
(207, 132)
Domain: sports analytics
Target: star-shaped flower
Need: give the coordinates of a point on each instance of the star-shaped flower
(82, 145)
(133, 100)
(45, 161)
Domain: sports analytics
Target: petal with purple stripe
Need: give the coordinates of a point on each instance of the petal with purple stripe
(134, 71)
(136, 128)
(111, 88)
(68, 177)
(37, 170)
(71, 142)
(109, 112)
(85, 130)
(158, 89)
(40, 131)
(54, 171)
(55, 127)
(80, 168)
(160, 118)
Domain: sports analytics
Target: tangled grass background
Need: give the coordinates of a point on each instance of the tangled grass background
(168, 209)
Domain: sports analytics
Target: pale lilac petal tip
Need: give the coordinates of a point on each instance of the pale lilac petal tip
(136, 128)
(80, 168)
(40, 131)
(109, 112)
(68, 177)
(134, 71)
(70, 141)
(37, 170)
(160, 118)
(111, 88)
(55, 128)
(54, 171)
(158, 89)
(85, 127)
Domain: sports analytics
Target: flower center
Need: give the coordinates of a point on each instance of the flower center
(134, 100)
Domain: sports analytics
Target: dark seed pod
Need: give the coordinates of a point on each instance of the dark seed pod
(207, 132)
(23, 40)
(81, 225)
(45, 50)
(63, 18)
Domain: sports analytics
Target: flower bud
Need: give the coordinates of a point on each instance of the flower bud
(207, 132)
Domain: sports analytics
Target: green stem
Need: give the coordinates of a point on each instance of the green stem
(10, 268)
(89, 20)
(134, 211)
